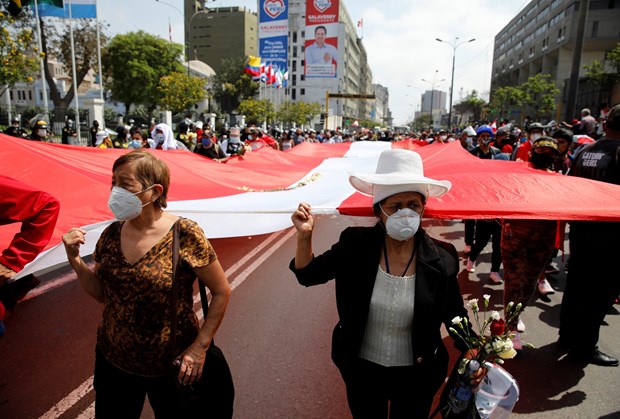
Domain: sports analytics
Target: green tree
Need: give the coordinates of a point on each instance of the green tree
(504, 98)
(597, 74)
(231, 85)
(298, 112)
(422, 122)
(178, 91)
(539, 93)
(56, 44)
(18, 57)
(472, 103)
(135, 62)
(256, 111)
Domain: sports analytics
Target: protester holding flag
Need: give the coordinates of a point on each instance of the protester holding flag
(37, 211)
(138, 340)
(395, 286)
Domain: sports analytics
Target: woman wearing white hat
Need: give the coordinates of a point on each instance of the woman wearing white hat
(395, 286)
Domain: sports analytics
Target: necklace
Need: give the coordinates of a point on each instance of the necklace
(387, 263)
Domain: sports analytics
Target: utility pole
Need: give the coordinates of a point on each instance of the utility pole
(573, 82)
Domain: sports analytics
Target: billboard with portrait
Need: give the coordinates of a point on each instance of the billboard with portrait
(321, 43)
(273, 34)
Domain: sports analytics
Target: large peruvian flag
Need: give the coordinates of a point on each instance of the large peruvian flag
(257, 193)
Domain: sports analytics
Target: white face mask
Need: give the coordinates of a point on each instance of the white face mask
(125, 205)
(535, 136)
(403, 224)
(234, 139)
(160, 137)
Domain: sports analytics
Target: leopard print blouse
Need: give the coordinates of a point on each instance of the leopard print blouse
(134, 334)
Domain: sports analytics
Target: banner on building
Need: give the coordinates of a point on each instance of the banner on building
(321, 43)
(273, 34)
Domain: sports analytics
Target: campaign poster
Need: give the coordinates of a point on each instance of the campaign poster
(321, 43)
(273, 34)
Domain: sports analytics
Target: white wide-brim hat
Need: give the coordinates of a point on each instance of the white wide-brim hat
(398, 170)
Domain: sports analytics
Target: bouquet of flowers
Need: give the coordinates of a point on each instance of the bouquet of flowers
(492, 343)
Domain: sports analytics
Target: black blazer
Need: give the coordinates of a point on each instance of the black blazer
(353, 262)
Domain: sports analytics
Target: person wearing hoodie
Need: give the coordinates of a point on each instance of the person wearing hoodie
(163, 136)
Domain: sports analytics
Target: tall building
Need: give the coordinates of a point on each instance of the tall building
(542, 37)
(380, 106)
(217, 33)
(212, 34)
(438, 99)
(353, 74)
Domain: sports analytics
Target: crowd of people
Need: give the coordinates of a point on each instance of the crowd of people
(382, 273)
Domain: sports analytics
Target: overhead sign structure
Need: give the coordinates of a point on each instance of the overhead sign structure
(273, 34)
(321, 43)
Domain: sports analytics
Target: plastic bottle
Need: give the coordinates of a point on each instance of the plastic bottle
(463, 390)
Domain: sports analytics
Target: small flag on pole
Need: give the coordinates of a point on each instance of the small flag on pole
(360, 23)
(253, 68)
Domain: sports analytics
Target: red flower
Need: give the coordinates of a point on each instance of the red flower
(497, 327)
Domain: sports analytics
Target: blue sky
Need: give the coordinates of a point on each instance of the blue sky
(399, 36)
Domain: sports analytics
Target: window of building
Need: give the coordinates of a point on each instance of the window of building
(11, 94)
(29, 94)
(555, 3)
(532, 50)
(40, 95)
(294, 65)
(302, 77)
(294, 94)
(595, 29)
(303, 34)
(303, 48)
(294, 51)
(303, 63)
(295, 36)
(302, 92)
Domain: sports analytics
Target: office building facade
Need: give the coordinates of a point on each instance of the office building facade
(542, 38)
(214, 34)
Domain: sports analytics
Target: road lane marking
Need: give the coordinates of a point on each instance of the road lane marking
(65, 404)
(76, 395)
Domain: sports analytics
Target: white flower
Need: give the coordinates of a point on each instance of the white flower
(509, 354)
(457, 320)
(486, 297)
(473, 304)
(495, 315)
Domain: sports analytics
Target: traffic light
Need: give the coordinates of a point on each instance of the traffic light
(323, 116)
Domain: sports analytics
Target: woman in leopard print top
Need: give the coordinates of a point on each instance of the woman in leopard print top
(132, 278)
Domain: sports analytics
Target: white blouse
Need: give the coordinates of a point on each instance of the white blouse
(387, 339)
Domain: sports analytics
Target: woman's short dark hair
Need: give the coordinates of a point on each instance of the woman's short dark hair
(149, 170)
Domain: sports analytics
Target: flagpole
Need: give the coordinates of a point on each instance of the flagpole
(99, 57)
(41, 62)
(75, 87)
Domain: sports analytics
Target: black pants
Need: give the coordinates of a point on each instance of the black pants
(121, 395)
(371, 388)
(470, 228)
(592, 285)
(484, 230)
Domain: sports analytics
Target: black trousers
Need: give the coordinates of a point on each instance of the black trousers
(484, 230)
(470, 228)
(378, 392)
(119, 394)
(592, 285)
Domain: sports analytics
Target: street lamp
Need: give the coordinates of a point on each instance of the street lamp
(187, 27)
(454, 46)
(433, 92)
